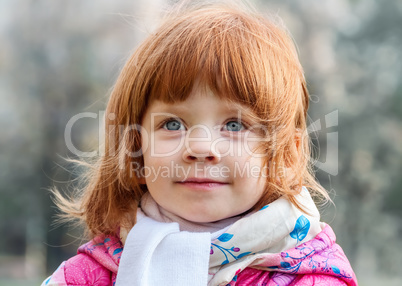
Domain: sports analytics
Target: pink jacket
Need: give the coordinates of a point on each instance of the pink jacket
(319, 261)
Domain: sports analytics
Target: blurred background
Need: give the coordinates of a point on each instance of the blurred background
(61, 58)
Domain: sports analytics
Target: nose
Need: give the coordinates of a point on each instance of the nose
(199, 147)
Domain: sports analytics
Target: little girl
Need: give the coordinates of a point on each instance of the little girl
(205, 178)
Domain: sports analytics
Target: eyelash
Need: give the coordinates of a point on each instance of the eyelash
(170, 119)
(244, 124)
(162, 125)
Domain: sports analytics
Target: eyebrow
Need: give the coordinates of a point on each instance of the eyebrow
(231, 107)
(171, 108)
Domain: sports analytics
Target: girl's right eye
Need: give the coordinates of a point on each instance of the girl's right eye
(173, 125)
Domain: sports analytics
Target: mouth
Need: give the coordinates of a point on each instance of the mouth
(202, 184)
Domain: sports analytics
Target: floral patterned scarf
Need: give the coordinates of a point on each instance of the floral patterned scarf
(240, 242)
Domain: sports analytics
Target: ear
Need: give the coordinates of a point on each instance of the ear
(140, 175)
(142, 181)
(294, 154)
(298, 140)
(137, 174)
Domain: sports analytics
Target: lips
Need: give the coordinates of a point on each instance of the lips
(202, 183)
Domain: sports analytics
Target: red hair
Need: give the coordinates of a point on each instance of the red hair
(242, 57)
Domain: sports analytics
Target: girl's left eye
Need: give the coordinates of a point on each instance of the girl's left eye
(173, 125)
(234, 126)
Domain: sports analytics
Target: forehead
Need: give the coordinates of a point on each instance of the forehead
(200, 100)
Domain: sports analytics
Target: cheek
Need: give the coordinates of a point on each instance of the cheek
(250, 172)
(246, 159)
(167, 148)
(225, 147)
(155, 172)
(252, 144)
(164, 147)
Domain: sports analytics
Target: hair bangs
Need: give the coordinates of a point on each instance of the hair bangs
(212, 51)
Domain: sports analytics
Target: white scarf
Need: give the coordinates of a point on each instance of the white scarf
(160, 253)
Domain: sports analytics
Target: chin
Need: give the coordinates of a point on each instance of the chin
(196, 218)
(204, 219)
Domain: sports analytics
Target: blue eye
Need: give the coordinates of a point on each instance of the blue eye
(173, 125)
(234, 126)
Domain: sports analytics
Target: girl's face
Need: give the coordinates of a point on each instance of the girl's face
(199, 159)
